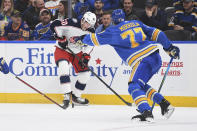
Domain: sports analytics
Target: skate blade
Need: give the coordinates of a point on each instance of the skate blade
(148, 121)
(170, 112)
(78, 104)
(65, 106)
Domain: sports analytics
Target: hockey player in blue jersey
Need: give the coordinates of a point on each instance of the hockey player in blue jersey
(3, 66)
(136, 43)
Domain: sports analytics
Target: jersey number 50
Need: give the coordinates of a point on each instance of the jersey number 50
(135, 34)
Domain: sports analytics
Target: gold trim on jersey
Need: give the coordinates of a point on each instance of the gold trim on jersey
(140, 101)
(134, 58)
(94, 39)
(155, 34)
(133, 71)
(150, 94)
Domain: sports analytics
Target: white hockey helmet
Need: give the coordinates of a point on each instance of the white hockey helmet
(90, 18)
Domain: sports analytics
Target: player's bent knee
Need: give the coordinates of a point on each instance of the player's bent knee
(133, 87)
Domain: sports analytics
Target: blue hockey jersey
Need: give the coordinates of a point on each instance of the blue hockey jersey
(22, 32)
(43, 32)
(132, 40)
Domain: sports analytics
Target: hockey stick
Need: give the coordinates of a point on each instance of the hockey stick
(39, 92)
(162, 82)
(127, 103)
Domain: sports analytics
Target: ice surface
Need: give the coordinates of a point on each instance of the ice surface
(49, 117)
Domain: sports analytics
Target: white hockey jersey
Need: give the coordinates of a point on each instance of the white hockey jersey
(69, 28)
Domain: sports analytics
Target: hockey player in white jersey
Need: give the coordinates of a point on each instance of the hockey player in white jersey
(64, 31)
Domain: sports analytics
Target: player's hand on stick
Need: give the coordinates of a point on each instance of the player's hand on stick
(83, 62)
(173, 52)
(62, 41)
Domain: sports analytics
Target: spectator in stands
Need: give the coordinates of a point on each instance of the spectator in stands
(178, 4)
(17, 29)
(98, 10)
(108, 4)
(21, 5)
(106, 22)
(31, 15)
(62, 12)
(128, 10)
(42, 30)
(80, 8)
(7, 7)
(153, 16)
(52, 5)
(183, 21)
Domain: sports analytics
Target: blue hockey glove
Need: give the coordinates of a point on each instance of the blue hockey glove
(173, 52)
(3, 66)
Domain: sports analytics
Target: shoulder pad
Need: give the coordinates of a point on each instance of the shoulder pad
(54, 24)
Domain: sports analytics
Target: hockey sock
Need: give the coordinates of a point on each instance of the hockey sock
(79, 88)
(139, 97)
(152, 94)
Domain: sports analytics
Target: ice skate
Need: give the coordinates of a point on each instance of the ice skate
(166, 109)
(66, 100)
(146, 116)
(79, 101)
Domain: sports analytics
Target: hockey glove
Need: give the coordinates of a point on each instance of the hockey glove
(83, 62)
(173, 52)
(3, 66)
(62, 41)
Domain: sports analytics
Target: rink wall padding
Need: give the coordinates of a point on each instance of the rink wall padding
(33, 61)
(95, 99)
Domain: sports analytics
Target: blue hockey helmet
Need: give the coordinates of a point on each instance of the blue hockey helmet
(118, 16)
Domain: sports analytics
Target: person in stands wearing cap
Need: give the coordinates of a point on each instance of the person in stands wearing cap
(153, 16)
(98, 10)
(42, 30)
(183, 22)
(17, 29)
